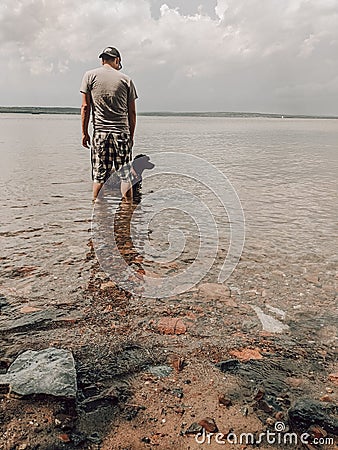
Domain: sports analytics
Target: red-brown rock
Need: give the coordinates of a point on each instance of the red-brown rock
(168, 325)
(64, 438)
(317, 432)
(245, 354)
(225, 401)
(178, 363)
(334, 378)
(208, 424)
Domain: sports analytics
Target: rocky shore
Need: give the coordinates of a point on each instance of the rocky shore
(101, 369)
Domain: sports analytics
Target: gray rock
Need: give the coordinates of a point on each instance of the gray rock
(269, 323)
(195, 428)
(160, 371)
(308, 412)
(50, 371)
(23, 322)
(38, 320)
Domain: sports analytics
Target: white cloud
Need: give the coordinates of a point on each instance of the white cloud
(244, 56)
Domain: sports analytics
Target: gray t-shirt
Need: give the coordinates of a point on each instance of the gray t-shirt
(111, 91)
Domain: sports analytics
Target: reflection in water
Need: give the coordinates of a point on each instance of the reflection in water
(122, 234)
(112, 236)
(112, 227)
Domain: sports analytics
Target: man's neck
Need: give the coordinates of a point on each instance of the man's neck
(109, 65)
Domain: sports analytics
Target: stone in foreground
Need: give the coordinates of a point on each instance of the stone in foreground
(50, 371)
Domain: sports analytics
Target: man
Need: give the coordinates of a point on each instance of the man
(110, 95)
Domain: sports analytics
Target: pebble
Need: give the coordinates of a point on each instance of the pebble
(279, 415)
(225, 401)
(312, 278)
(208, 424)
(270, 421)
(178, 363)
(178, 392)
(94, 437)
(77, 438)
(108, 285)
(259, 394)
(333, 377)
(64, 438)
(264, 406)
(317, 432)
(194, 428)
(294, 382)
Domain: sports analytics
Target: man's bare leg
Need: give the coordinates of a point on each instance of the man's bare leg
(96, 189)
(126, 190)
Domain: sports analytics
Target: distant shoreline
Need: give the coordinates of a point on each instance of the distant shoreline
(76, 111)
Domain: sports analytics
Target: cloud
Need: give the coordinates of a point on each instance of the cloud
(244, 55)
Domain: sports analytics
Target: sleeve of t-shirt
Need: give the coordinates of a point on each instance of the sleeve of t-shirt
(85, 84)
(132, 95)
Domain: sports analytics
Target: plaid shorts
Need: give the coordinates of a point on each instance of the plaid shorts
(110, 151)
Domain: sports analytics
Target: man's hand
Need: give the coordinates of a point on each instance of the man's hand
(132, 121)
(86, 140)
(85, 115)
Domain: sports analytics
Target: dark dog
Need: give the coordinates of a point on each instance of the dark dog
(139, 165)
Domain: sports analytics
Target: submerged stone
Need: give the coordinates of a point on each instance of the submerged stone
(50, 371)
(214, 291)
(269, 324)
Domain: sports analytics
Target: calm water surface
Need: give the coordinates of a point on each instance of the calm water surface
(283, 170)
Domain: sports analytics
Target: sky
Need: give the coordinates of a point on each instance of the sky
(273, 56)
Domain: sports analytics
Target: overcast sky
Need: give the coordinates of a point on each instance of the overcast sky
(183, 55)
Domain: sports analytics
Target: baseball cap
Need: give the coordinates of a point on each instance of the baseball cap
(113, 53)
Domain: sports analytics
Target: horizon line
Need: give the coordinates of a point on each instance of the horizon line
(76, 110)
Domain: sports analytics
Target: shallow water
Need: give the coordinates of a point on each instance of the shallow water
(283, 171)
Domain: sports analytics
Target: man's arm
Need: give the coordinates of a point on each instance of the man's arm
(85, 115)
(132, 119)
